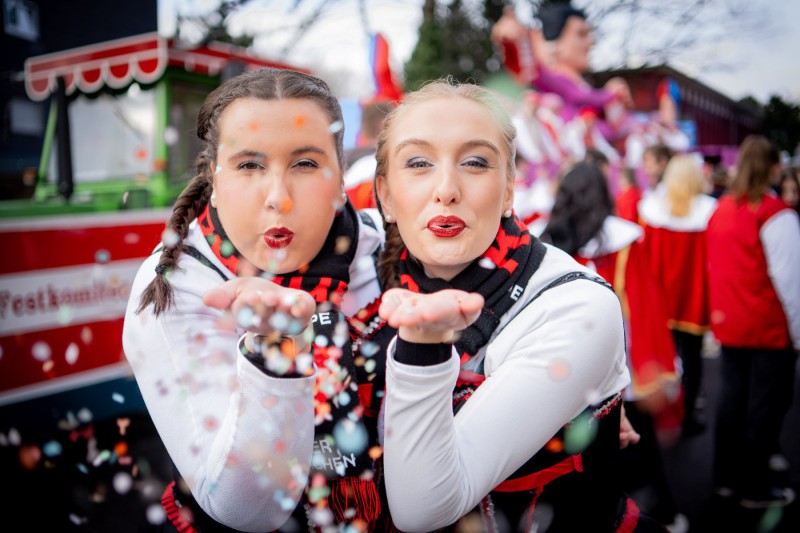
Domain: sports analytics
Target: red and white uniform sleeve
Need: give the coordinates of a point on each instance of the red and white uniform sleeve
(780, 236)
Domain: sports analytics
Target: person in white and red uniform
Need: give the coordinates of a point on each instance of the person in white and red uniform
(481, 423)
(675, 218)
(753, 259)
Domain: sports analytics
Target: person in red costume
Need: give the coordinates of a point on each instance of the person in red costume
(581, 223)
(675, 224)
(629, 196)
(753, 260)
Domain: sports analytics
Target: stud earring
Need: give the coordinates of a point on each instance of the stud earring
(343, 197)
(388, 218)
(213, 200)
(507, 213)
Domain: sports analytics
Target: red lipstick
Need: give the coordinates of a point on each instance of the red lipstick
(277, 238)
(446, 227)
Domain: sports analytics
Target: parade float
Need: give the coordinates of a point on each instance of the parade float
(118, 149)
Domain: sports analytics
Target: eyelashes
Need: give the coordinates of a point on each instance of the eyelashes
(307, 163)
(478, 162)
(250, 165)
(417, 162)
(258, 165)
(473, 162)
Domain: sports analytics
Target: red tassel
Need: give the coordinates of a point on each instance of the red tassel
(354, 493)
(631, 518)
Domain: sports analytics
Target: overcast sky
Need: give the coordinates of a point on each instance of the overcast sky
(336, 47)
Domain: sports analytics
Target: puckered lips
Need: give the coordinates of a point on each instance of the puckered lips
(277, 238)
(446, 227)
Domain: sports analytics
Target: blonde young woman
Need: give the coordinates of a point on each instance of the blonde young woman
(675, 222)
(235, 328)
(525, 343)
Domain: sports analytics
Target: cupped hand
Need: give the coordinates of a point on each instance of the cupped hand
(430, 318)
(263, 307)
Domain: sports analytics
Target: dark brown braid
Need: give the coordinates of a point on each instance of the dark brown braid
(189, 204)
(388, 273)
(264, 84)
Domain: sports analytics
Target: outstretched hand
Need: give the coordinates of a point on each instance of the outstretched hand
(263, 307)
(430, 318)
(621, 90)
(627, 433)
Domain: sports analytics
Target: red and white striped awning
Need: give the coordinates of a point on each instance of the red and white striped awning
(118, 63)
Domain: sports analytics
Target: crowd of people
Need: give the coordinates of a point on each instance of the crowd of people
(501, 339)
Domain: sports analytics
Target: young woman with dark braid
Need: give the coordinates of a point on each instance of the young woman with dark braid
(235, 328)
(504, 380)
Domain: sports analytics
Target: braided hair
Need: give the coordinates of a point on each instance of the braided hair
(263, 84)
(388, 274)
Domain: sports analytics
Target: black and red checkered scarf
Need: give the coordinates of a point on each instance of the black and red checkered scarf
(341, 469)
(499, 275)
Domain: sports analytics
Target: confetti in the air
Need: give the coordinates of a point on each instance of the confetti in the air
(245, 317)
(170, 238)
(122, 482)
(487, 263)
(369, 349)
(579, 434)
(351, 437)
(41, 351)
(102, 256)
(559, 369)
(279, 321)
(321, 341)
(171, 135)
(226, 248)
(342, 244)
(155, 514)
(52, 448)
(72, 353)
(29, 456)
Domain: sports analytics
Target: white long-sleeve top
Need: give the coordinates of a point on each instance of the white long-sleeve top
(549, 362)
(241, 439)
(780, 237)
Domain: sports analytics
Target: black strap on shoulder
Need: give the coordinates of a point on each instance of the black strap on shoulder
(194, 252)
(366, 219)
(572, 276)
(566, 278)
